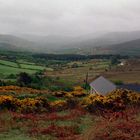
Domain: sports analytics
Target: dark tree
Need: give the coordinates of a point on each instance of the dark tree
(2, 83)
(24, 79)
(115, 60)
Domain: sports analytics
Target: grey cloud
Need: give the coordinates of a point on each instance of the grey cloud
(68, 17)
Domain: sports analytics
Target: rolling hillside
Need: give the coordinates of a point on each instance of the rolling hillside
(10, 42)
(104, 40)
(114, 42)
(126, 48)
(8, 47)
(127, 43)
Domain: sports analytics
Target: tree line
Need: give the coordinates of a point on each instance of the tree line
(76, 57)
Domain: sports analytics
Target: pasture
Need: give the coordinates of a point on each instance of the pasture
(75, 72)
(8, 63)
(129, 73)
(7, 70)
(8, 67)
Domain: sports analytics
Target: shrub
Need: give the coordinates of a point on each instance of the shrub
(58, 105)
(118, 82)
(72, 103)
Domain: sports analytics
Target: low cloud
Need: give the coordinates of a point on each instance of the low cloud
(68, 17)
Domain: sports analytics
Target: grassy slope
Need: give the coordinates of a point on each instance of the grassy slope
(9, 67)
(77, 75)
(32, 67)
(7, 70)
(129, 73)
(8, 63)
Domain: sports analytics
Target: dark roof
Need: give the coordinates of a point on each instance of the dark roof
(102, 85)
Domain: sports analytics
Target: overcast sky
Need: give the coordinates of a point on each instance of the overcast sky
(68, 17)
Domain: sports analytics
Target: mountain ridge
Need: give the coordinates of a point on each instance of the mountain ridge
(113, 42)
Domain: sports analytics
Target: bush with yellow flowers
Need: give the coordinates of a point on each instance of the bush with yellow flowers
(20, 90)
(28, 105)
(59, 93)
(93, 102)
(115, 100)
(24, 105)
(6, 102)
(126, 96)
(58, 105)
(77, 92)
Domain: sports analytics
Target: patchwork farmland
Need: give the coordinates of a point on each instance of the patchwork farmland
(8, 67)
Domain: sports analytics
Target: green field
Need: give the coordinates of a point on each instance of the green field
(32, 67)
(25, 62)
(9, 67)
(7, 70)
(8, 63)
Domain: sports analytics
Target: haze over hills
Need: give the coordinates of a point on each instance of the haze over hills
(126, 48)
(109, 39)
(88, 40)
(50, 41)
(15, 43)
(114, 42)
(8, 47)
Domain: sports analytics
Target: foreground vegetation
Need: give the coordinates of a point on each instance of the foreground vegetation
(42, 114)
(124, 125)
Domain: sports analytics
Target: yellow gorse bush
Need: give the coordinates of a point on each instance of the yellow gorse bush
(117, 96)
(78, 91)
(78, 88)
(91, 99)
(5, 98)
(13, 103)
(29, 102)
(19, 90)
(58, 103)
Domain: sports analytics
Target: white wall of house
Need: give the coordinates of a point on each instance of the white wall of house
(93, 91)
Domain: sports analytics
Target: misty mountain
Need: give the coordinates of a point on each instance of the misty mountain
(51, 42)
(84, 41)
(84, 44)
(126, 48)
(14, 43)
(107, 39)
(8, 47)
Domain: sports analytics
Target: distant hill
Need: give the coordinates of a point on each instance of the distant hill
(116, 38)
(35, 43)
(105, 40)
(8, 47)
(51, 41)
(126, 48)
(13, 43)
(81, 44)
(114, 42)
